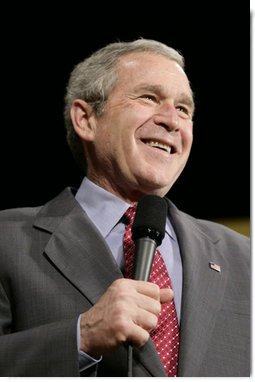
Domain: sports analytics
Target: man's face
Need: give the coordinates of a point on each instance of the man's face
(142, 140)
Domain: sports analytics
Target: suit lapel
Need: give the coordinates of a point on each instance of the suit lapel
(148, 357)
(77, 249)
(202, 293)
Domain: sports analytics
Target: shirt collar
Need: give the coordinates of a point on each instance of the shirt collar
(102, 207)
(105, 209)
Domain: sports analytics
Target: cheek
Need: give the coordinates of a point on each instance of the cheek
(113, 144)
(187, 135)
(103, 144)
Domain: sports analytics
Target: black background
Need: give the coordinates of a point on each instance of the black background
(39, 49)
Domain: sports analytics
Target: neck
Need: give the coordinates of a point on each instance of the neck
(130, 196)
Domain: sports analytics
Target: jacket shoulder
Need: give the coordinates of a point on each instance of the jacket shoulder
(18, 214)
(58, 205)
(213, 231)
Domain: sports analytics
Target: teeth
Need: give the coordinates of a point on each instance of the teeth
(160, 145)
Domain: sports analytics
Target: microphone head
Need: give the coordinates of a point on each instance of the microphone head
(150, 218)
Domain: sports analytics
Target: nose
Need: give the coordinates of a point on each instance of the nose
(167, 117)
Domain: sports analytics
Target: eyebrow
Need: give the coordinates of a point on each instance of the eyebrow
(183, 97)
(152, 88)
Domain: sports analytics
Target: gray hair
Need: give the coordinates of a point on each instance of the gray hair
(93, 79)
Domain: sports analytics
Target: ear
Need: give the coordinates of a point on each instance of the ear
(81, 114)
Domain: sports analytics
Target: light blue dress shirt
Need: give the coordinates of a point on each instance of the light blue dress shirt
(105, 211)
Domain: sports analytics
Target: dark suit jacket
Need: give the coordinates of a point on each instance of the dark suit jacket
(54, 265)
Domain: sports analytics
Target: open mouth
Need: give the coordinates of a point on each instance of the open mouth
(159, 145)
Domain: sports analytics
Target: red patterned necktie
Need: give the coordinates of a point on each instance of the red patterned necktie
(166, 334)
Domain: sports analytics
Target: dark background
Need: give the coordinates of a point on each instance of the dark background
(39, 51)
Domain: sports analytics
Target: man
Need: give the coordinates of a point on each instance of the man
(65, 308)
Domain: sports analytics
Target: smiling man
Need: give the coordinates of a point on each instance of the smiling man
(66, 308)
(141, 141)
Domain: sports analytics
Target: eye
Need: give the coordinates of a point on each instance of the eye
(149, 97)
(183, 110)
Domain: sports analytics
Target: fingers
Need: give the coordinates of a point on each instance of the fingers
(146, 288)
(147, 315)
(138, 337)
(152, 290)
(127, 311)
(145, 319)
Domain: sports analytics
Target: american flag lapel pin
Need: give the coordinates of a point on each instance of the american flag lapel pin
(215, 267)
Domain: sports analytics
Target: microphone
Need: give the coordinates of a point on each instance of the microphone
(148, 232)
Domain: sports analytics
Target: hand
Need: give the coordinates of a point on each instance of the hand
(127, 311)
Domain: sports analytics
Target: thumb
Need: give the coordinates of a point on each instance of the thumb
(166, 295)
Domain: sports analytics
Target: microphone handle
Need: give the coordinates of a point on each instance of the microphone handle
(144, 254)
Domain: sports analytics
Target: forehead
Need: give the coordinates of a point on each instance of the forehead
(135, 68)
